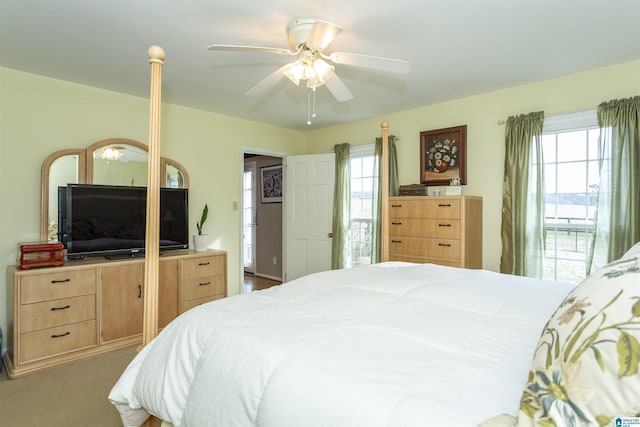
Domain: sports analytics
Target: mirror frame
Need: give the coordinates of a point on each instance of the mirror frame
(85, 172)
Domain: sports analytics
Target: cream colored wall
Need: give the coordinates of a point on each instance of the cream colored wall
(39, 115)
(485, 138)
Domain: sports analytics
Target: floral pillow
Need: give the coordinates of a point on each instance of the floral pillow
(633, 252)
(585, 367)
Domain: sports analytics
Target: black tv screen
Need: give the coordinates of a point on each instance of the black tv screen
(111, 220)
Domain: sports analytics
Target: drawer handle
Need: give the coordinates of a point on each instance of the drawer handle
(396, 206)
(444, 244)
(204, 263)
(396, 241)
(60, 308)
(61, 335)
(396, 223)
(205, 284)
(444, 205)
(53, 282)
(139, 291)
(444, 225)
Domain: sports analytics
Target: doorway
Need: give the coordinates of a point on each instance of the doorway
(261, 221)
(249, 217)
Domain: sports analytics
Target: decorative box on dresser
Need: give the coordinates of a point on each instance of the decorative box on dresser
(444, 230)
(91, 306)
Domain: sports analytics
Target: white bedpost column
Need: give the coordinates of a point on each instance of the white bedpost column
(384, 193)
(152, 238)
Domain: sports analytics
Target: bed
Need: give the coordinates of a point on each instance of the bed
(396, 344)
(391, 344)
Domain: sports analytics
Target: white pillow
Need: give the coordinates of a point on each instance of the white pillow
(585, 369)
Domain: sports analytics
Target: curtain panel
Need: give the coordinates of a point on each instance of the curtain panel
(523, 197)
(617, 222)
(341, 209)
(376, 226)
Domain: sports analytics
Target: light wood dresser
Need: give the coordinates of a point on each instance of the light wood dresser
(444, 230)
(87, 307)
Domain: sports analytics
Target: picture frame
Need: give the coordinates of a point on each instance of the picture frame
(271, 184)
(443, 155)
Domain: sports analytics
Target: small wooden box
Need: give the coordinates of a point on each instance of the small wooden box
(412, 190)
(40, 255)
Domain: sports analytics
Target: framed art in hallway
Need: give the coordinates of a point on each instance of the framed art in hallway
(271, 182)
(443, 155)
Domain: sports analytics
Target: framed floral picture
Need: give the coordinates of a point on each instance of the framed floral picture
(271, 184)
(443, 155)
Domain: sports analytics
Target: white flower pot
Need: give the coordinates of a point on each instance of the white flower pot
(200, 242)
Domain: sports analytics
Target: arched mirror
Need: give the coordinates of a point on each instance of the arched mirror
(115, 161)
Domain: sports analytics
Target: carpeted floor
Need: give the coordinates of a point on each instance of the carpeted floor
(73, 395)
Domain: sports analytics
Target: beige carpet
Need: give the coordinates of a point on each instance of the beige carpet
(73, 395)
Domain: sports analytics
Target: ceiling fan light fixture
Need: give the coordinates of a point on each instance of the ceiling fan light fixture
(315, 71)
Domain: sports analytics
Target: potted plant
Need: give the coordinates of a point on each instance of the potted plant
(200, 241)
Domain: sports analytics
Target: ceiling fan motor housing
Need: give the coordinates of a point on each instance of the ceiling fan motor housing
(298, 30)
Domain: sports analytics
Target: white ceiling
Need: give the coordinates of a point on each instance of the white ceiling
(456, 48)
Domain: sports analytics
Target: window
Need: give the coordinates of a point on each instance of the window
(363, 177)
(570, 150)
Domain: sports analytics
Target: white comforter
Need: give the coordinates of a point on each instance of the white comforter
(395, 344)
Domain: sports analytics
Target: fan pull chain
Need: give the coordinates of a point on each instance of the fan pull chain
(309, 107)
(311, 104)
(313, 100)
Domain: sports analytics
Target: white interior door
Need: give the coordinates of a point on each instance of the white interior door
(249, 217)
(308, 203)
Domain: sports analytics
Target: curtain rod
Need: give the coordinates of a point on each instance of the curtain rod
(582, 110)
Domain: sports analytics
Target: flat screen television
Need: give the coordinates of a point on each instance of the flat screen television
(111, 220)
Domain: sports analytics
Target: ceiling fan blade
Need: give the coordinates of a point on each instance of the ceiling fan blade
(268, 82)
(322, 34)
(339, 90)
(398, 66)
(236, 48)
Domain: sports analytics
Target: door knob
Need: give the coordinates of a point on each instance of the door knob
(330, 235)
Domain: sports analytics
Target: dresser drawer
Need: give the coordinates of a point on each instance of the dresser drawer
(201, 267)
(435, 208)
(61, 339)
(58, 312)
(435, 228)
(64, 284)
(433, 248)
(189, 304)
(202, 287)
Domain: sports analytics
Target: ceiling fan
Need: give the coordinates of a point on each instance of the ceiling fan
(309, 39)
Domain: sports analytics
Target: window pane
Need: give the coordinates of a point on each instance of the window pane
(572, 177)
(367, 166)
(571, 146)
(356, 168)
(593, 144)
(549, 147)
(593, 178)
(550, 177)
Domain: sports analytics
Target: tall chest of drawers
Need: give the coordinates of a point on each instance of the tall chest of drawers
(444, 230)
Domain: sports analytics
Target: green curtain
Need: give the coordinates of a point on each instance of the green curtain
(617, 225)
(376, 226)
(341, 207)
(523, 197)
